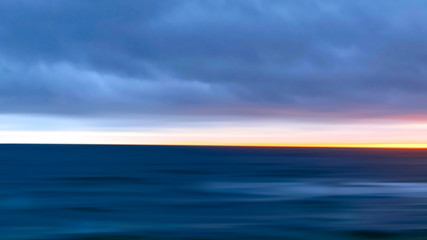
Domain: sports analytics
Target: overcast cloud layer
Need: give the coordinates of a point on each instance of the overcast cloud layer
(202, 58)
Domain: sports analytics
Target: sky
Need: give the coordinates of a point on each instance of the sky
(215, 72)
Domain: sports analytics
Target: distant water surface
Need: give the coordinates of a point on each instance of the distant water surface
(168, 192)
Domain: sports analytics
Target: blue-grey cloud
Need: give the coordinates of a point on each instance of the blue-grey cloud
(219, 57)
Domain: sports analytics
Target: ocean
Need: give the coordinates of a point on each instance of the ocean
(94, 192)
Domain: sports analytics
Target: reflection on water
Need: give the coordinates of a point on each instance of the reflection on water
(165, 192)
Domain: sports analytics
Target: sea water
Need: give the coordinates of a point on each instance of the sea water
(93, 192)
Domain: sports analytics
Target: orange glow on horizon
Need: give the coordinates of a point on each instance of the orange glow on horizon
(147, 138)
(404, 135)
(323, 145)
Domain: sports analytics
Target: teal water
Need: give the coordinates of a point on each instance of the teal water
(169, 192)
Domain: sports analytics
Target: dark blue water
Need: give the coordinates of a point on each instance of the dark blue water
(166, 192)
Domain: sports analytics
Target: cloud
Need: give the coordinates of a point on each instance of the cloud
(310, 59)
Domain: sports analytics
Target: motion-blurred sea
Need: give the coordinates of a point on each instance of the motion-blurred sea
(94, 192)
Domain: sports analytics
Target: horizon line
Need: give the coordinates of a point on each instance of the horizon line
(254, 145)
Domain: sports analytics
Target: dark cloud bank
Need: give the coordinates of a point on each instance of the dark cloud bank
(233, 57)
